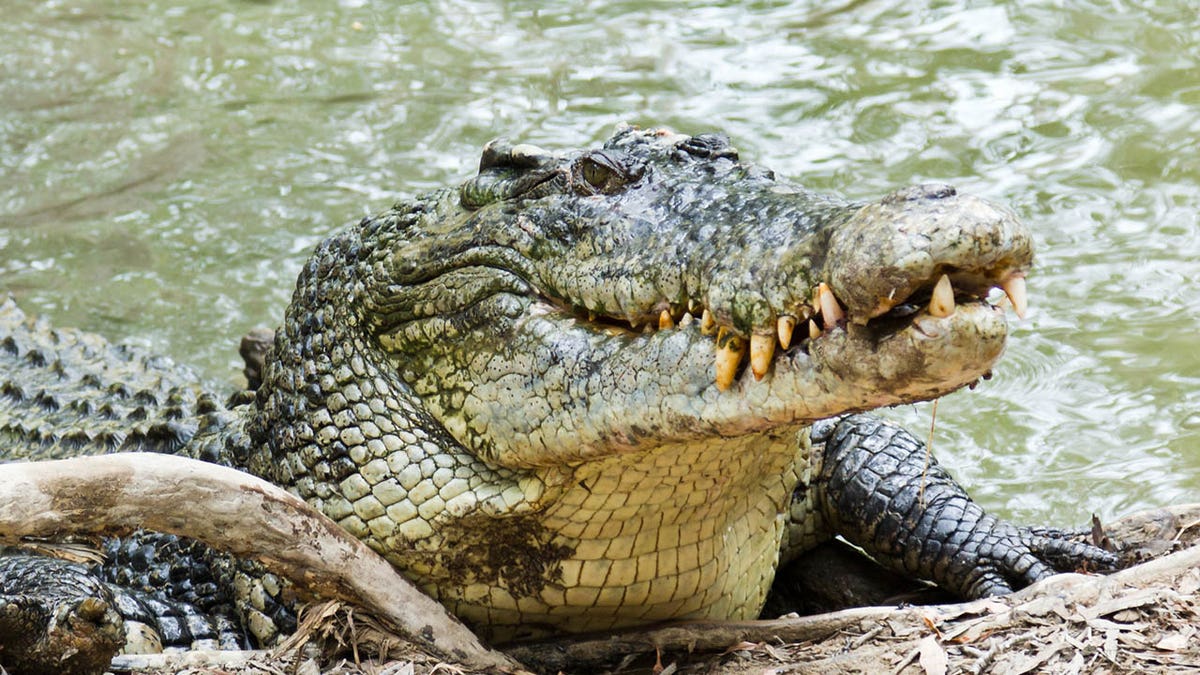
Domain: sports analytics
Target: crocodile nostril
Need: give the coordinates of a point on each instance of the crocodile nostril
(914, 193)
(709, 146)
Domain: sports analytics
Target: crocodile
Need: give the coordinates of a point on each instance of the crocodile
(594, 389)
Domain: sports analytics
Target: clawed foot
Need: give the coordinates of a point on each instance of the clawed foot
(882, 491)
(998, 558)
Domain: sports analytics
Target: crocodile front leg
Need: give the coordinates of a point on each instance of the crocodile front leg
(878, 489)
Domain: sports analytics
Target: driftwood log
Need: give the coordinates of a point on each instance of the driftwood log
(232, 511)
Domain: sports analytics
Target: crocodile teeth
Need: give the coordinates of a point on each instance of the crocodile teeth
(784, 327)
(814, 331)
(762, 350)
(1014, 288)
(729, 357)
(830, 309)
(942, 302)
(665, 321)
(707, 323)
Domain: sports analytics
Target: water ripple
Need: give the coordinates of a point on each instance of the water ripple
(155, 162)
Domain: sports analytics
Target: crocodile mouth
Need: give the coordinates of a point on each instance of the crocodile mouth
(800, 329)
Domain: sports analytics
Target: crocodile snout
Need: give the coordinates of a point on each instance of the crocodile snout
(899, 249)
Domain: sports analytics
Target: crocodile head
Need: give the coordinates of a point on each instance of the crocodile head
(559, 307)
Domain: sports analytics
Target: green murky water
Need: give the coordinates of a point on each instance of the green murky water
(166, 166)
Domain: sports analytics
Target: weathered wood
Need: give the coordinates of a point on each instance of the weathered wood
(573, 653)
(179, 661)
(231, 511)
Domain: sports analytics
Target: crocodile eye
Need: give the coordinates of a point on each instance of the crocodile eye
(606, 172)
(596, 174)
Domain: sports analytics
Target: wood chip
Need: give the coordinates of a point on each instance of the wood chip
(1133, 640)
(902, 628)
(1106, 625)
(933, 657)
(1077, 643)
(1189, 583)
(978, 629)
(1110, 645)
(406, 668)
(1075, 665)
(1138, 598)
(908, 658)
(1127, 616)
(1043, 606)
(1036, 661)
(1173, 643)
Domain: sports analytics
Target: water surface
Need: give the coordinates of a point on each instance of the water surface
(165, 167)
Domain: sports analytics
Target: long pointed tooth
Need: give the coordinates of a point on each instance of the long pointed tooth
(707, 323)
(784, 328)
(814, 331)
(722, 331)
(729, 357)
(665, 320)
(942, 302)
(762, 350)
(830, 308)
(1014, 288)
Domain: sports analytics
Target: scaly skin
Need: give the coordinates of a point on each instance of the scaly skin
(55, 618)
(440, 389)
(573, 393)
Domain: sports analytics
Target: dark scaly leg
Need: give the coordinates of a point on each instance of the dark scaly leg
(178, 587)
(878, 490)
